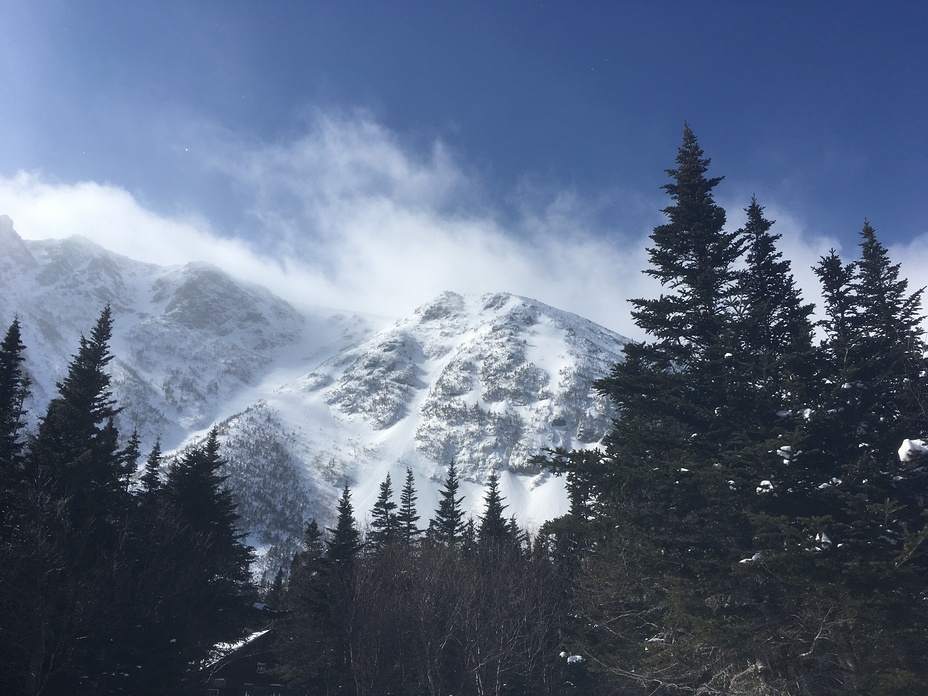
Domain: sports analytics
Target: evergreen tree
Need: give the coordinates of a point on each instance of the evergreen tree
(836, 279)
(308, 630)
(275, 593)
(673, 495)
(446, 526)
(890, 349)
(493, 526)
(77, 508)
(75, 449)
(219, 591)
(151, 477)
(14, 388)
(385, 527)
(408, 517)
(345, 540)
(773, 332)
(129, 458)
(666, 468)
(694, 259)
(468, 538)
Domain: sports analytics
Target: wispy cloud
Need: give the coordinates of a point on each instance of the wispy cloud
(346, 214)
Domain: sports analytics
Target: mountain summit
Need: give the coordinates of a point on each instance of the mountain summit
(306, 402)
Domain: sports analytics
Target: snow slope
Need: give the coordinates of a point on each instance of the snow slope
(307, 402)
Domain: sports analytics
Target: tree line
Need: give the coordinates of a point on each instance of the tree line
(754, 523)
(107, 587)
(751, 525)
(462, 606)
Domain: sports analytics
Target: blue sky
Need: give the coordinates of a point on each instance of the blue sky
(371, 154)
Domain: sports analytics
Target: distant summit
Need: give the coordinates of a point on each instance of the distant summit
(306, 402)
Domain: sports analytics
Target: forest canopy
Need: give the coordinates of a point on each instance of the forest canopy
(753, 523)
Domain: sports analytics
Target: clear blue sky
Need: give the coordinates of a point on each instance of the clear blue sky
(819, 108)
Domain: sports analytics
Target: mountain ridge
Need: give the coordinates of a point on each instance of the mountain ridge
(307, 401)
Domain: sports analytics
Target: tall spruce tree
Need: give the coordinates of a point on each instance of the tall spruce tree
(308, 630)
(14, 389)
(76, 510)
(693, 258)
(666, 467)
(447, 525)
(75, 449)
(219, 591)
(770, 373)
(674, 491)
(408, 516)
(345, 540)
(772, 345)
(385, 527)
(493, 527)
(150, 480)
(889, 349)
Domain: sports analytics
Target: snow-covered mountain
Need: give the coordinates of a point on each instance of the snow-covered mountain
(306, 402)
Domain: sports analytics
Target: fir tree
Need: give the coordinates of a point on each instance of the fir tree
(408, 517)
(664, 453)
(694, 259)
(676, 481)
(773, 332)
(77, 510)
(219, 590)
(129, 458)
(308, 632)
(196, 487)
(385, 526)
(446, 526)
(151, 477)
(468, 538)
(345, 540)
(835, 277)
(14, 388)
(75, 449)
(889, 350)
(275, 593)
(493, 526)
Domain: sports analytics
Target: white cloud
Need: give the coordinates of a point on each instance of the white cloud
(913, 258)
(347, 215)
(111, 217)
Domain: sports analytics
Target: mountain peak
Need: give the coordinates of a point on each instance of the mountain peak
(14, 250)
(487, 381)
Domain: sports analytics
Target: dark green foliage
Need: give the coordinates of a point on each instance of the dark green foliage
(345, 541)
(219, 591)
(14, 389)
(693, 259)
(408, 517)
(749, 527)
(151, 478)
(310, 633)
(771, 360)
(447, 525)
(493, 526)
(74, 453)
(385, 525)
(429, 618)
(103, 591)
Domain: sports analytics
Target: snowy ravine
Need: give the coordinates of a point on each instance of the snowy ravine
(306, 402)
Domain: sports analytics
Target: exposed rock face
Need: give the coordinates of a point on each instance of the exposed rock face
(485, 381)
